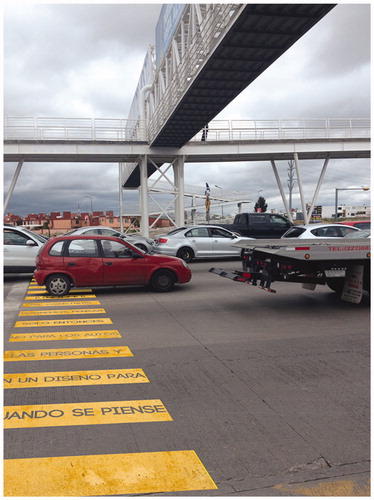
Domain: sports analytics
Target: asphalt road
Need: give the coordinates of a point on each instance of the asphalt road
(270, 391)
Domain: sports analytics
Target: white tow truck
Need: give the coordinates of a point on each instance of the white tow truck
(341, 264)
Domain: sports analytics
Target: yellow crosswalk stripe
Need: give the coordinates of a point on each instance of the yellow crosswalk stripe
(72, 353)
(67, 414)
(64, 297)
(102, 475)
(42, 337)
(62, 304)
(66, 378)
(57, 312)
(63, 322)
(74, 290)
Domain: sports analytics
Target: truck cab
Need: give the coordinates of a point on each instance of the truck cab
(261, 225)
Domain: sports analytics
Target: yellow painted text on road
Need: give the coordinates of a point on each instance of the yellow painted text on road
(72, 353)
(42, 337)
(62, 304)
(105, 475)
(57, 312)
(60, 379)
(64, 297)
(75, 290)
(64, 414)
(64, 322)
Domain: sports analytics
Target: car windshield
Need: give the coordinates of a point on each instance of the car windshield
(365, 233)
(362, 225)
(175, 231)
(36, 236)
(294, 232)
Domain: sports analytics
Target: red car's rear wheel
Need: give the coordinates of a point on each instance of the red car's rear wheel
(58, 284)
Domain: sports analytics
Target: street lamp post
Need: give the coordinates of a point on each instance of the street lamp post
(345, 189)
(90, 197)
(215, 185)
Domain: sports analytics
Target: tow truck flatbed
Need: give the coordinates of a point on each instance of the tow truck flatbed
(337, 248)
(342, 265)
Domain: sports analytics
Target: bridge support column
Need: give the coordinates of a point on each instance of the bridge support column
(322, 175)
(13, 185)
(287, 208)
(301, 187)
(144, 222)
(178, 168)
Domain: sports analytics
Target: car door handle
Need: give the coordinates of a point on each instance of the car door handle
(71, 263)
(108, 263)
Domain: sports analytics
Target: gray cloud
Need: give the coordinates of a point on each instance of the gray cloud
(84, 60)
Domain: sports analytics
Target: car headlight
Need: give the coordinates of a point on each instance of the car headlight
(184, 263)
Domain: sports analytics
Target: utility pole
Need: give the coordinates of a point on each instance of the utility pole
(290, 182)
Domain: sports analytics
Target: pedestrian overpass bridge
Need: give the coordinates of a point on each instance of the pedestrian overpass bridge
(207, 55)
(84, 140)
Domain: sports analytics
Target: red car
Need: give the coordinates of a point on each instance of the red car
(67, 261)
(360, 224)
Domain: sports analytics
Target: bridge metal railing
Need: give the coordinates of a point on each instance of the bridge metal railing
(122, 130)
(73, 129)
(296, 129)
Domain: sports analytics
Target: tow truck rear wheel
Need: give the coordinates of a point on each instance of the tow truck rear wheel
(335, 284)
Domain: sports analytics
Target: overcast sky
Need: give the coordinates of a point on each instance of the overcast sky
(84, 60)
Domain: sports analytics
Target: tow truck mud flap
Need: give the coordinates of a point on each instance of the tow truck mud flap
(353, 283)
(309, 286)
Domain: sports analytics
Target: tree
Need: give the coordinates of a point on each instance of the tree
(260, 205)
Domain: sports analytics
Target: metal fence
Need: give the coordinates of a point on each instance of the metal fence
(121, 130)
(72, 129)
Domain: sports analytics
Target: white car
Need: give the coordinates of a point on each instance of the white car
(145, 244)
(20, 248)
(311, 231)
(197, 242)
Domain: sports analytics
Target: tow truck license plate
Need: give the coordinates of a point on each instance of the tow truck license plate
(335, 273)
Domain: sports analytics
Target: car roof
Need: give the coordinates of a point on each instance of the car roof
(181, 228)
(352, 222)
(86, 237)
(313, 226)
(94, 227)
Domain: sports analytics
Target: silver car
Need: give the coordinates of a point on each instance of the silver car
(20, 248)
(198, 242)
(145, 244)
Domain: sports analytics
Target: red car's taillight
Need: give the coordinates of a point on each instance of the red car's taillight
(162, 240)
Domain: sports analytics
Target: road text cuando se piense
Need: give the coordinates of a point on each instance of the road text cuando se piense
(66, 414)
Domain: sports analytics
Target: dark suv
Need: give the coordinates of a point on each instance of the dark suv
(259, 225)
